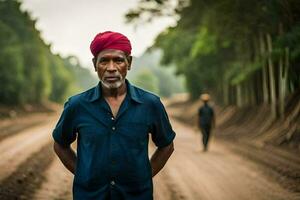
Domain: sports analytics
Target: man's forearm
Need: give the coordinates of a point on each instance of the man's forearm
(67, 156)
(160, 157)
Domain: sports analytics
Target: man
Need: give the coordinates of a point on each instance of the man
(206, 120)
(111, 123)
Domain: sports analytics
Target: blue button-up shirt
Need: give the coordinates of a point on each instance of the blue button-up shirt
(112, 153)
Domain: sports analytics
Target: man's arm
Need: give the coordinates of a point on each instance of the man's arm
(160, 157)
(67, 156)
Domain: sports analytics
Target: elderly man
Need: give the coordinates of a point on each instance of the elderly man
(111, 123)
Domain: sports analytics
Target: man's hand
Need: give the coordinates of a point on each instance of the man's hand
(160, 157)
(67, 156)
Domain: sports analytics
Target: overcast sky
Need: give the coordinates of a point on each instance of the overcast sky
(70, 25)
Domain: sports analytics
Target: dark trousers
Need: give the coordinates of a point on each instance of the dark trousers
(205, 130)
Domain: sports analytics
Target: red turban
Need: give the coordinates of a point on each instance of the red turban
(110, 40)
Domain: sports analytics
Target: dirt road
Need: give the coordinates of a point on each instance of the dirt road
(29, 170)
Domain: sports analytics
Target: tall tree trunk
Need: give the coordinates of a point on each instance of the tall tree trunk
(286, 71)
(280, 78)
(248, 89)
(283, 81)
(280, 84)
(232, 97)
(255, 82)
(225, 93)
(253, 90)
(239, 95)
(271, 77)
(258, 89)
(264, 69)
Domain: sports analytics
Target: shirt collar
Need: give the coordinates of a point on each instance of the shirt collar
(131, 91)
(96, 93)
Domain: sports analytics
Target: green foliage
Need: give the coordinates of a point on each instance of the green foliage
(217, 42)
(30, 73)
(83, 77)
(167, 82)
(11, 64)
(239, 72)
(205, 43)
(292, 40)
(146, 80)
(175, 48)
(147, 9)
(60, 78)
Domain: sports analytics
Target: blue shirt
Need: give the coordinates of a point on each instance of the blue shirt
(112, 153)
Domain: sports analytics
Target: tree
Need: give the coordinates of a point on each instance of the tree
(232, 47)
(147, 81)
(11, 66)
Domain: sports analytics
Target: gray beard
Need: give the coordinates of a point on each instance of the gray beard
(113, 85)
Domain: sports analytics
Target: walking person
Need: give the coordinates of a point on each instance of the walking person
(111, 123)
(206, 120)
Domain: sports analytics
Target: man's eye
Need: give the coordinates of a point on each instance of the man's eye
(119, 60)
(102, 61)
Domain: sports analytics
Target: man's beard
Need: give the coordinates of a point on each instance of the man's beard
(113, 85)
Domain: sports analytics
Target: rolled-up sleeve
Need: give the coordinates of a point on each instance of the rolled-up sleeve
(161, 129)
(64, 132)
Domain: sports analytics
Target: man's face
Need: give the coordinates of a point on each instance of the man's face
(111, 66)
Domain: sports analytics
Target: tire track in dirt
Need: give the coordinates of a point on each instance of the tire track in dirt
(25, 156)
(22, 183)
(17, 149)
(14, 130)
(57, 183)
(28, 168)
(15, 126)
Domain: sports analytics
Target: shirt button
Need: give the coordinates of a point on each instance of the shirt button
(112, 183)
(112, 118)
(113, 128)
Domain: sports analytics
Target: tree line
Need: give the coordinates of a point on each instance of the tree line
(243, 52)
(30, 72)
(147, 73)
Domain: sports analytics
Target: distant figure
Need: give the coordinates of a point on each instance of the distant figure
(206, 120)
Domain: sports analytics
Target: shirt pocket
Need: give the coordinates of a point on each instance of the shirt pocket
(134, 134)
(92, 135)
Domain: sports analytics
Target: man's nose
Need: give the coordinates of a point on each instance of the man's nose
(111, 66)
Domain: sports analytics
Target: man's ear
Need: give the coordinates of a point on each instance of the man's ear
(129, 59)
(94, 60)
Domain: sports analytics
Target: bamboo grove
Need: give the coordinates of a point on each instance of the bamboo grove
(244, 52)
(30, 73)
